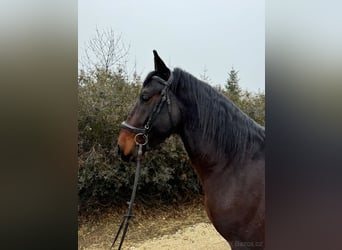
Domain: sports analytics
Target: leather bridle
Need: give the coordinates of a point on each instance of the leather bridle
(143, 132)
(165, 98)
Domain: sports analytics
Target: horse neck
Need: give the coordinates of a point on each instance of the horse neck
(209, 150)
(208, 159)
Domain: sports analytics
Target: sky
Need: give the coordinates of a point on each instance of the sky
(195, 35)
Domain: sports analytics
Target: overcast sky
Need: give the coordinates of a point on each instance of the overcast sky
(191, 34)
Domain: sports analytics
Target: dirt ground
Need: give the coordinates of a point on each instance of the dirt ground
(183, 227)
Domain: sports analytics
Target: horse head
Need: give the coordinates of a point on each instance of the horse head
(155, 115)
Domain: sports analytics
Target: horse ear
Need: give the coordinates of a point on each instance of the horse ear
(160, 67)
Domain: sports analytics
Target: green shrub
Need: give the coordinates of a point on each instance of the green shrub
(166, 175)
(104, 102)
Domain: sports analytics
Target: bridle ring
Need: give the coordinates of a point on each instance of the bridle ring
(144, 136)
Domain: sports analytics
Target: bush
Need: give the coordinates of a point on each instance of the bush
(105, 99)
(104, 102)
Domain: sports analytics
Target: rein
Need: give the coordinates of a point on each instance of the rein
(126, 218)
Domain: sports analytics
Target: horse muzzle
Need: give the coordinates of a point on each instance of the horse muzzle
(132, 156)
(127, 145)
(122, 155)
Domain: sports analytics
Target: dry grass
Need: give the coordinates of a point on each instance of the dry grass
(149, 227)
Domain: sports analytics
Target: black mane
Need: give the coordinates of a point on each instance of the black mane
(222, 123)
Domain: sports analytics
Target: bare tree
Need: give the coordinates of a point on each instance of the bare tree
(105, 51)
(204, 76)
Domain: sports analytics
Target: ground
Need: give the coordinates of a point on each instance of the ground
(181, 227)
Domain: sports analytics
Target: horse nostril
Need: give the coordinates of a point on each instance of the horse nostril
(119, 150)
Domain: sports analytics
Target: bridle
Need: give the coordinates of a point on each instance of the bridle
(165, 97)
(144, 133)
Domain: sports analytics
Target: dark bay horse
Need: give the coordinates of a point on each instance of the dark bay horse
(225, 146)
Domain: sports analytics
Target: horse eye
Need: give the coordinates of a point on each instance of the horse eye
(145, 98)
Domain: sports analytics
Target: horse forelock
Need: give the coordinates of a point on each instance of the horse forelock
(149, 77)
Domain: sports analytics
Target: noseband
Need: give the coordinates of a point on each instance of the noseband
(156, 110)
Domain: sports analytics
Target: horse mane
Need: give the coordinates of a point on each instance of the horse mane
(222, 123)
